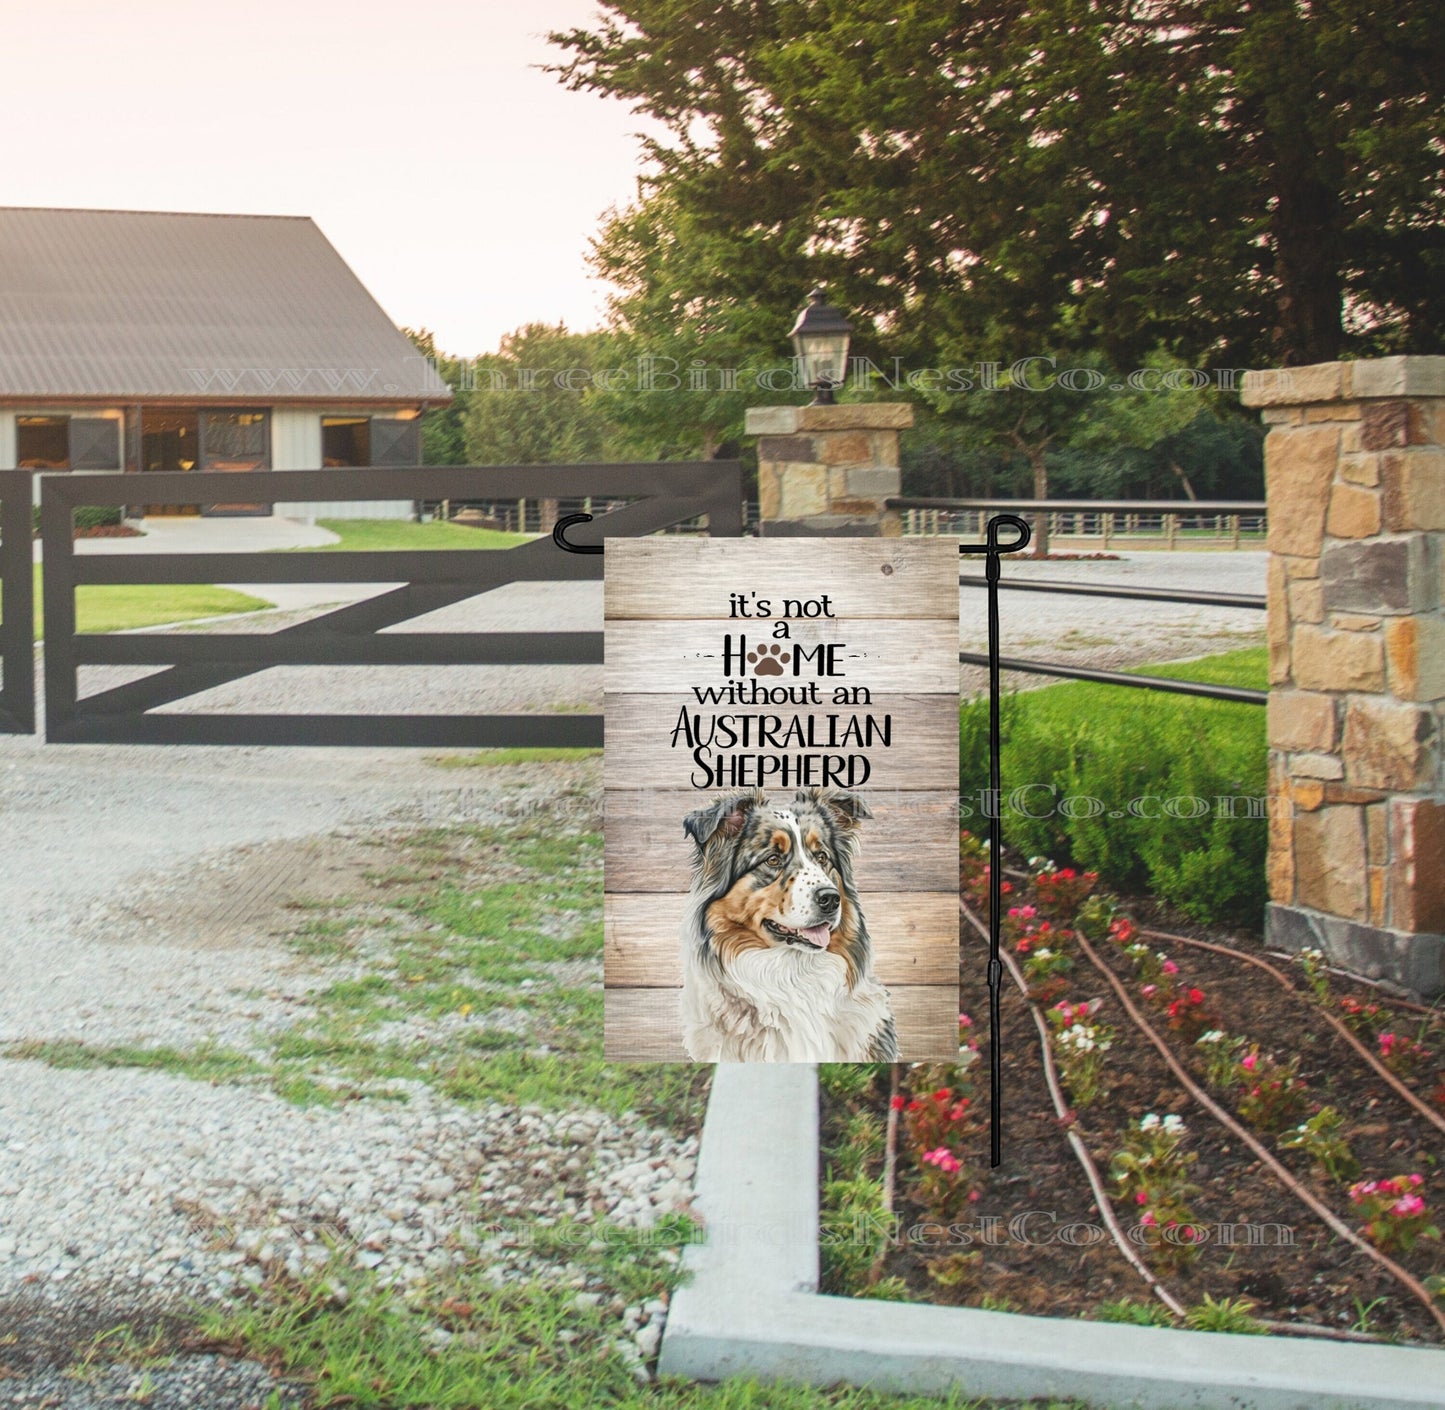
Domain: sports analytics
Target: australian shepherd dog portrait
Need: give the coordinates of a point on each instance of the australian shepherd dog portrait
(777, 965)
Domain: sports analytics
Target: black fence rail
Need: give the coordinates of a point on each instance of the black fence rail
(1246, 601)
(17, 606)
(646, 498)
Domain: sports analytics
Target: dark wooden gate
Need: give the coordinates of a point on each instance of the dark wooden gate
(17, 606)
(649, 497)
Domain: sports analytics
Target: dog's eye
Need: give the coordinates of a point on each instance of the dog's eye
(822, 858)
(772, 861)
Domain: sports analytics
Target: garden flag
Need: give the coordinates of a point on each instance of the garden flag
(781, 793)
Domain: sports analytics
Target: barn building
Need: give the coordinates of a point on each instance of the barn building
(137, 341)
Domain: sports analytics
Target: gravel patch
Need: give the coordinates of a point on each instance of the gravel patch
(118, 1181)
(103, 837)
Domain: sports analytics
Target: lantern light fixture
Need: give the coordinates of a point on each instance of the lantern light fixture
(820, 339)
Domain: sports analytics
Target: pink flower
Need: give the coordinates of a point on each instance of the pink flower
(1250, 1062)
(1148, 1220)
(973, 1196)
(1141, 1198)
(1387, 1041)
(1149, 990)
(1169, 967)
(1408, 1205)
(1417, 1179)
(944, 1160)
(964, 1021)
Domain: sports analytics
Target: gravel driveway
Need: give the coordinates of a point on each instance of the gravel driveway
(127, 881)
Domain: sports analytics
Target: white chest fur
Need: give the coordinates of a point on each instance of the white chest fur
(779, 1005)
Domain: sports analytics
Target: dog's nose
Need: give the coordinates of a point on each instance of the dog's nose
(826, 899)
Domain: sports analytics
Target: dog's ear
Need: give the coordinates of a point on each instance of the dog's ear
(727, 815)
(846, 809)
(849, 810)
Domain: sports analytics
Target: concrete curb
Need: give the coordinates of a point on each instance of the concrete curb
(752, 1306)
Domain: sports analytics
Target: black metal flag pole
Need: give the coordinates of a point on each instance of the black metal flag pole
(994, 549)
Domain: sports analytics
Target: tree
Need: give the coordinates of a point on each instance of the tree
(1223, 181)
(1067, 400)
(442, 439)
(529, 402)
(693, 358)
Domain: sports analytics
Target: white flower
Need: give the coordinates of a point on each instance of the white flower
(1213, 1036)
(1149, 1122)
(1173, 1126)
(1310, 956)
(1043, 954)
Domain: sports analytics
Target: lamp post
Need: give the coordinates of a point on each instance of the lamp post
(820, 340)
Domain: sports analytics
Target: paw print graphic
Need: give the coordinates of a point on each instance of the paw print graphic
(767, 660)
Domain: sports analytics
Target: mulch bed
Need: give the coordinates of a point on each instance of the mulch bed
(109, 531)
(1317, 1278)
(106, 531)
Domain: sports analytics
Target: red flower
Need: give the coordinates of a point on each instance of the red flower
(1196, 996)
(896, 1103)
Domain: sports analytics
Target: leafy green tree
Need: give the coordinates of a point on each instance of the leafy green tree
(1230, 180)
(529, 403)
(693, 360)
(442, 438)
(1074, 401)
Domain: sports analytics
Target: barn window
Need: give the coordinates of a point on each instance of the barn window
(396, 442)
(345, 440)
(42, 442)
(67, 443)
(94, 443)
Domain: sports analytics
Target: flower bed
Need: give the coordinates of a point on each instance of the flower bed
(1266, 1138)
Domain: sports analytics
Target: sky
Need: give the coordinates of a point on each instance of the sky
(459, 182)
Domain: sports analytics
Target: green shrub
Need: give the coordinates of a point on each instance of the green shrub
(1139, 755)
(87, 516)
(96, 516)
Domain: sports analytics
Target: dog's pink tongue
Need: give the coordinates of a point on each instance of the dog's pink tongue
(818, 934)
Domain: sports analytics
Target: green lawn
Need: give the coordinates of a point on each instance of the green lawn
(384, 534)
(117, 608)
(1126, 754)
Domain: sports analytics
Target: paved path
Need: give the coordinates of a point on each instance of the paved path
(1110, 632)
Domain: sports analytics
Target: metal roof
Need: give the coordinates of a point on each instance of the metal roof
(144, 304)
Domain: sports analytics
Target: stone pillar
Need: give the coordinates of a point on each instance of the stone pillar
(1355, 478)
(828, 469)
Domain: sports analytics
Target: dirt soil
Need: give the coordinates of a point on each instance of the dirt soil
(1299, 1271)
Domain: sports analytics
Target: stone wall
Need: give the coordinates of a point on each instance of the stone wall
(1355, 478)
(828, 469)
